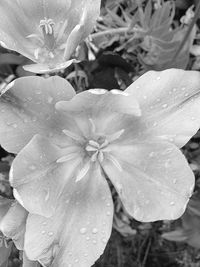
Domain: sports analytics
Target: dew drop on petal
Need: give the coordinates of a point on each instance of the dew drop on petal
(94, 241)
(164, 105)
(94, 230)
(174, 181)
(43, 232)
(87, 238)
(49, 99)
(32, 167)
(172, 203)
(108, 213)
(186, 94)
(104, 240)
(50, 234)
(83, 230)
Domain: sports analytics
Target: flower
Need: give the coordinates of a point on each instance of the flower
(12, 223)
(46, 31)
(68, 145)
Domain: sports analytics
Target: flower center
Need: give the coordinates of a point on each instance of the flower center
(50, 39)
(48, 33)
(95, 150)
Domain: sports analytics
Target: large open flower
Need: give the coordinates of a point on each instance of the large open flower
(70, 144)
(46, 31)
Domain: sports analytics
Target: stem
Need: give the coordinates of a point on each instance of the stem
(111, 31)
(188, 31)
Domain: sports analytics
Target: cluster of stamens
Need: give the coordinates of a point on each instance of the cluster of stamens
(95, 150)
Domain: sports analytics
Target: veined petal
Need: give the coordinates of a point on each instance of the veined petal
(156, 181)
(78, 231)
(13, 224)
(170, 103)
(37, 176)
(27, 108)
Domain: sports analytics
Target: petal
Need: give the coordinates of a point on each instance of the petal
(4, 206)
(27, 108)
(79, 230)
(95, 102)
(45, 68)
(13, 224)
(170, 104)
(38, 179)
(15, 26)
(155, 181)
(28, 263)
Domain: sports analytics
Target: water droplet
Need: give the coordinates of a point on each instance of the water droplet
(155, 124)
(47, 195)
(50, 99)
(32, 167)
(25, 120)
(183, 88)
(34, 119)
(76, 260)
(186, 94)
(94, 241)
(44, 223)
(83, 230)
(108, 213)
(108, 204)
(94, 230)
(104, 240)
(152, 154)
(172, 203)
(38, 92)
(50, 233)
(85, 255)
(87, 238)
(43, 232)
(14, 125)
(174, 89)
(158, 78)
(164, 105)
(145, 97)
(174, 181)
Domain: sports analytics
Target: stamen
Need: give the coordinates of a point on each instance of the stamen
(114, 136)
(115, 162)
(90, 148)
(47, 28)
(83, 171)
(47, 25)
(100, 156)
(62, 30)
(66, 158)
(37, 37)
(36, 53)
(72, 135)
(94, 156)
(94, 143)
(92, 125)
